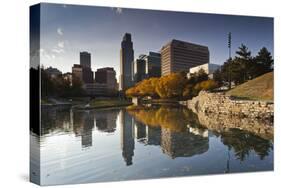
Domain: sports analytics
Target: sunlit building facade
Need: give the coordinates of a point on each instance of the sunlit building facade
(178, 56)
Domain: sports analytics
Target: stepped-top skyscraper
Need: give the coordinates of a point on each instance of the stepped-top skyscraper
(126, 62)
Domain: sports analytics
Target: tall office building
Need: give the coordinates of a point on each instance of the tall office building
(85, 62)
(153, 65)
(147, 66)
(85, 59)
(177, 56)
(83, 71)
(126, 62)
(77, 72)
(140, 68)
(106, 76)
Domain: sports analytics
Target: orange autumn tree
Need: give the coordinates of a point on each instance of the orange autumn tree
(171, 85)
(144, 88)
(174, 85)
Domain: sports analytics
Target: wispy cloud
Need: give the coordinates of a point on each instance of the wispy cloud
(59, 48)
(59, 31)
(44, 54)
(117, 10)
(61, 44)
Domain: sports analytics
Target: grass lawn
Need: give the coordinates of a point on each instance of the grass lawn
(260, 88)
(106, 103)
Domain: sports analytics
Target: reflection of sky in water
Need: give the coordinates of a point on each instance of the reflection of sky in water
(109, 145)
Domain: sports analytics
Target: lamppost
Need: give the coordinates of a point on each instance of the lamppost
(229, 59)
(229, 44)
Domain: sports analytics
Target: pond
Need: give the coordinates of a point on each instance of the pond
(83, 146)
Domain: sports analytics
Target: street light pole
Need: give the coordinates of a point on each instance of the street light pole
(229, 59)
(229, 44)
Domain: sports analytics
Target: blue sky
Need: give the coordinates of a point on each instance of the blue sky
(66, 30)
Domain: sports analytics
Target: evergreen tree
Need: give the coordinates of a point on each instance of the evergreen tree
(264, 61)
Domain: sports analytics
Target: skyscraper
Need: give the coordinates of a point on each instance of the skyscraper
(153, 65)
(106, 76)
(85, 59)
(85, 62)
(177, 56)
(126, 62)
(139, 69)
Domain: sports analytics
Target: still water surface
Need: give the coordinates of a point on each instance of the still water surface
(134, 143)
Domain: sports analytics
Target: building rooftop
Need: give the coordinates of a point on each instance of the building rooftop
(77, 66)
(184, 43)
(106, 69)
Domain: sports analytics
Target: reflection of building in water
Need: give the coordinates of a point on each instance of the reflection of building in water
(140, 130)
(153, 135)
(183, 144)
(106, 120)
(83, 123)
(127, 137)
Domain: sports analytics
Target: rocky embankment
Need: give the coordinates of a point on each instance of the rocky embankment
(220, 103)
(219, 112)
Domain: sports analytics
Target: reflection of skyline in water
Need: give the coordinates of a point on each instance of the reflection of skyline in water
(127, 137)
(81, 123)
(174, 130)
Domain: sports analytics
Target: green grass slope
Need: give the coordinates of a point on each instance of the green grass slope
(260, 88)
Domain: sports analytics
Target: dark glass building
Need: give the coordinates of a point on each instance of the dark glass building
(85, 59)
(126, 62)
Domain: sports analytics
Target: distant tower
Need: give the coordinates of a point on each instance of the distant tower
(126, 62)
(85, 63)
(85, 59)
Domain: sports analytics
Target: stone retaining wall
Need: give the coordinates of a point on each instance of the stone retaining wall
(220, 103)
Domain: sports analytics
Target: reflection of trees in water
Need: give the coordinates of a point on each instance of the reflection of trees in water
(80, 122)
(174, 118)
(182, 135)
(175, 128)
(243, 143)
(55, 119)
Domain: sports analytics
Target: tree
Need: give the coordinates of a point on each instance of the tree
(147, 87)
(218, 77)
(208, 85)
(264, 61)
(199, 76)
(76, 89)
(171, 85)
(244, 60)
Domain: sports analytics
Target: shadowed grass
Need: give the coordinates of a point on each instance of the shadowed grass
(260, 88)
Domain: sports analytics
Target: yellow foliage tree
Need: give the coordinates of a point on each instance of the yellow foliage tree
(171, 85)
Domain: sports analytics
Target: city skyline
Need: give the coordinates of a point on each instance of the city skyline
(64, 36)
